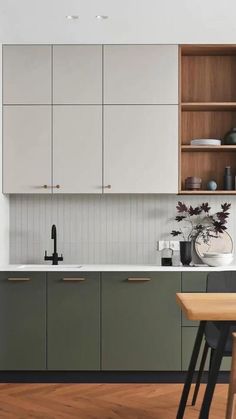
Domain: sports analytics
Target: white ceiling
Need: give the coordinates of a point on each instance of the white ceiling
(130, 21)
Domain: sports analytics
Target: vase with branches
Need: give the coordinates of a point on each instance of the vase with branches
(198, 223)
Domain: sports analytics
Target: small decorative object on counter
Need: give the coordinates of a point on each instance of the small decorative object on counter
(211, 185)
(228, 179)
(193, 183)
(230, 137)
(185, 252)
(166, 256)
(199, 224)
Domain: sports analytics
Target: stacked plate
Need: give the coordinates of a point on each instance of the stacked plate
(217, 259)
(206, 142)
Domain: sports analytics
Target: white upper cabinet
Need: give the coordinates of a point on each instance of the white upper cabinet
(141, 74)
(77, 74)
(26, 149)
(27, 74)
(141, 149)
(77, 149)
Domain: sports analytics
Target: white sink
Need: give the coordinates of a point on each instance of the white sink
(45, 266)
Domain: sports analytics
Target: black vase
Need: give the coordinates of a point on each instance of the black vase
(185, 252)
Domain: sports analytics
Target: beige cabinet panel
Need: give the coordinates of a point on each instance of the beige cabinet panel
(26, 149)
(141, 74)
(27, 74)
(77, 74)
(141, 149)
(77, 148)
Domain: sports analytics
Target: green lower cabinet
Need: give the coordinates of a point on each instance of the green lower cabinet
(73, 321)
(141, 322)
(193, 282)
(22, 321)
(188, 339)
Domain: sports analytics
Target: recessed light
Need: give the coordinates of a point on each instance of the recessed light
(72, 17)
(101, 17)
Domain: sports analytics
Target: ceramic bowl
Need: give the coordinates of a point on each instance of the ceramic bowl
(218, 260)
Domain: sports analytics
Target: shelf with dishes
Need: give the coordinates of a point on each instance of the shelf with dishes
(207, 118)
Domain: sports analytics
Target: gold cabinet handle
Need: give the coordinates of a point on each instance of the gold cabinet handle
(134, 279)
(107, 187)
(18, 279)
(79, 279)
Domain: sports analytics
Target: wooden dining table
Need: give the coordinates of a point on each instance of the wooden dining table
(219, 308)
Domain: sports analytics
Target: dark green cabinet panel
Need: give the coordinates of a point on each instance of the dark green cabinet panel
(188, 339)
(141, 322)
(22, 321)
(73, 321)
(193, 282)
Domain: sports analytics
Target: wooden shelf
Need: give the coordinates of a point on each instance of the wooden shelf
(207, 110)
(208, 106)
(213, 148)
(206, 192)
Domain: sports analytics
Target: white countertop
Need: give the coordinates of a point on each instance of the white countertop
(112, 268)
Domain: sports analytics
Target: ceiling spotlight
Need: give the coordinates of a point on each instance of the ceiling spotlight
(101, 17)
(72, 17)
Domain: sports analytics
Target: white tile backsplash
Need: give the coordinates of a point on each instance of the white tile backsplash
(97, 228)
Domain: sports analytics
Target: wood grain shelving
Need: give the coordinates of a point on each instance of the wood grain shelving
(207, 192)
(216, 148)
(207, 110)
(205, 106)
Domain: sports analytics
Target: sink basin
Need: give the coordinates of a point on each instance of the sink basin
(45, 266)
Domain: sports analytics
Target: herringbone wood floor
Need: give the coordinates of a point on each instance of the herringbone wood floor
(100, 401)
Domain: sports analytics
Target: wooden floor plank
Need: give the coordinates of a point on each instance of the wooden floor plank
(101, 401)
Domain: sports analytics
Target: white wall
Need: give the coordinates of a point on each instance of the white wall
(4, 201)
(98, 229)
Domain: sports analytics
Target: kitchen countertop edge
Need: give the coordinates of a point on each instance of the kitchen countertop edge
(112, 268)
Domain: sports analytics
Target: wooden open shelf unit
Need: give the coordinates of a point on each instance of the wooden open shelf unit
(207, 110)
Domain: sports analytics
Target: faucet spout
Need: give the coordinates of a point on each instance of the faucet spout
(54, 258)
(54, 237)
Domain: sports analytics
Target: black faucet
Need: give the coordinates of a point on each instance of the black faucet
(54, 258)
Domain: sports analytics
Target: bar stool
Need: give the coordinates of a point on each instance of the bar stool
(216, 282)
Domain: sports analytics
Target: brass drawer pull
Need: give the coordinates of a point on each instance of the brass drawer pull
(74, 279)
(18, 279)
(133, 279)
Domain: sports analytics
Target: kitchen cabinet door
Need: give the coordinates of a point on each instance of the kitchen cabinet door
(73, 321)
(26, 149)
(141, 74)
(22, 321)
(141, 149)
(26, 74)
(77, 74)
(77, 148)
(141, 323)
(193, 282)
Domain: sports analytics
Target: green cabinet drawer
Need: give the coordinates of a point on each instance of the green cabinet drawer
(22, 321)
(193, 282)
(141, 322)
(73, 321)
(188, 339)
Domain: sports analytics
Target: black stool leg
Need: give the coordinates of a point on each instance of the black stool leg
(191, 369)
(213, 373)
(200, 371)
